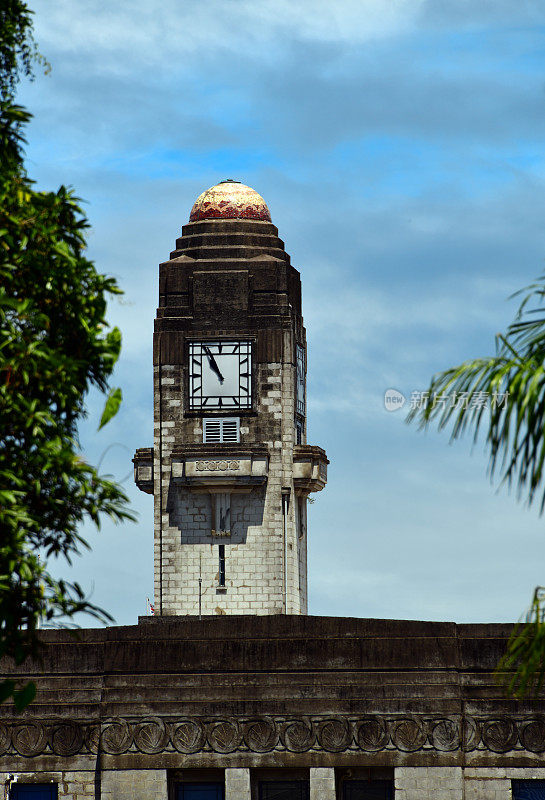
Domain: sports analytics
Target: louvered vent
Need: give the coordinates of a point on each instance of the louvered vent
(221, 431)
(230, 430)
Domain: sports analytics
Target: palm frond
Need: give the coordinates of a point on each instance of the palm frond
(522, 668)
(512, 385)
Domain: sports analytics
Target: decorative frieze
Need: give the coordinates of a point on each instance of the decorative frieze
(210, 468)
(369, 733)
(219, 466)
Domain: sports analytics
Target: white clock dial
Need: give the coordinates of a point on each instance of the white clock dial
(220, 375)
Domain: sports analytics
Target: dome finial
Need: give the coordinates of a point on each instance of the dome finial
(230, 199)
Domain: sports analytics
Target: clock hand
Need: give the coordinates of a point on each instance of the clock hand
(213, 364)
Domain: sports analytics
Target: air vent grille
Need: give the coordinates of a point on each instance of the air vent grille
(221, 431)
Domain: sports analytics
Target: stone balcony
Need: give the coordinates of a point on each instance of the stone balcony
(220, 467)
(232, 467)
(309, 468)
(143, 469)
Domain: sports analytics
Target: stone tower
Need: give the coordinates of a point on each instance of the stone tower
(230, 469)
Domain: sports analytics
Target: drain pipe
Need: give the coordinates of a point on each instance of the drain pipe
(160, 369)
(286, 491)
(98, 773)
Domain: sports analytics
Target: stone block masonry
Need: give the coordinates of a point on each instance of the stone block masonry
(134, 784)
(411, 783)
(329, 698)
(421, 783)
(231, 282)
(186, 550)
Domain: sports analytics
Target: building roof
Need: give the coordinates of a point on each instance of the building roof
(269, 691)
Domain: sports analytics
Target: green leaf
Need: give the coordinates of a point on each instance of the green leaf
(6, 689)
(53, 350)
(111, 406)
(23, 697)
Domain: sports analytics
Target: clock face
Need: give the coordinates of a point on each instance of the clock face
(300, 406)
(220, 375)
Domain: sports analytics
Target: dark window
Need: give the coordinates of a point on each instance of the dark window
(222, 565)
(298, 432)
(528, 790)
(33, 791)
(368, 790)
(199, 791)
(283, 790)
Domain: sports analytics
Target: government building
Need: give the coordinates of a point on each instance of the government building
(231, 691)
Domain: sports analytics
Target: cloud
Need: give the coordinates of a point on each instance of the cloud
(136, 35)
(399, 146)
(472, 13)
(293, 77)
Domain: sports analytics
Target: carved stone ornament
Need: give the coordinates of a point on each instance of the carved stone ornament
(408, 734)
(224, 736)
(368, 733)
(200, 466)
(29, 739)
(261, 735)
(532, 735)
(372, 733)
(151, 736)
(116, 737)
(471, 734)
(297, 735)
(5, 739)
(499, 735)
(66, 738)
(445, 734)
(187, 735)
(334, 735)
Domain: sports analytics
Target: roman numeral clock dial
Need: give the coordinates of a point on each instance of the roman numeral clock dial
(220, 375)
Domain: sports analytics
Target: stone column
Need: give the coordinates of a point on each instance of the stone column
(134, 784)
(322, 783)
(429, 783)
(237, 784)
(485, 782)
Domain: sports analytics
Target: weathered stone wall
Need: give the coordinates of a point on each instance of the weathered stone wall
(72, 784)
(322, 784)
(253, 558)
(237, 784)
(489, 783)
(134, 784)
(276, 692)
(254, 553)
(411, 783)
(421, 783)
(459, 783)
(228, 279)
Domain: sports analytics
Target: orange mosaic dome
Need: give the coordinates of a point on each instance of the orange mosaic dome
(230, 200)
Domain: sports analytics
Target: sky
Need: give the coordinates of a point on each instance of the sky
(399, 147)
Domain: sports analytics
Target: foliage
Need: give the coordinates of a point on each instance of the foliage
(54, 346)
(512, 385)
(513, 380)
(522, 668)
(18, 51)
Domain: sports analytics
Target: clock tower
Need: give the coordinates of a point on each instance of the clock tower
(230, 470)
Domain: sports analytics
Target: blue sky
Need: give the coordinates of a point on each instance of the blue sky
(399, 146)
